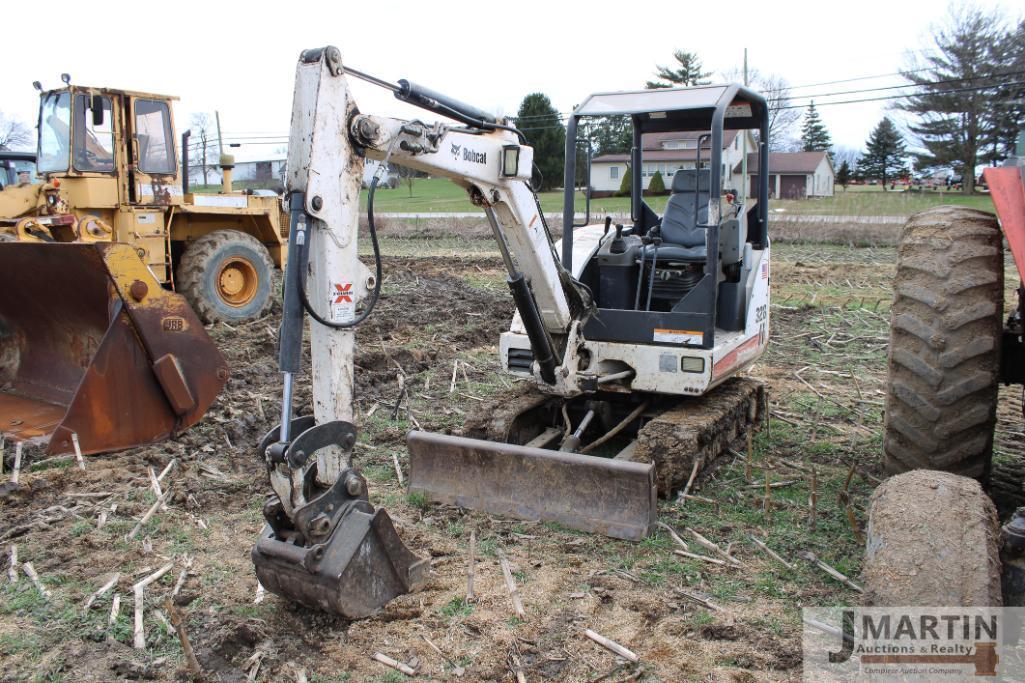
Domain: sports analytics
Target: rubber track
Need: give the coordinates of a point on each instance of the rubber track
(944, 357)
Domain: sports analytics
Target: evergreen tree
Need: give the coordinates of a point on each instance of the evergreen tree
(958, 98)
(843, 175)
(656, 185)
(814, 136)
(1009, 115)
(624, 185)
(885, 153)
(610, 134)
(687, 73)
(542, 125)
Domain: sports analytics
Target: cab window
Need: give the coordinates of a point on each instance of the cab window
(54, 132)
(153, 131)
(94, 134)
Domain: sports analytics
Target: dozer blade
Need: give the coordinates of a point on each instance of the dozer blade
(92, 344)
(583, 492)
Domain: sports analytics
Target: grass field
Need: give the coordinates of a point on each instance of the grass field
(444, 303)
(431, 195)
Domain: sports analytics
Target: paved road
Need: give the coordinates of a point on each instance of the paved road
(598, 217)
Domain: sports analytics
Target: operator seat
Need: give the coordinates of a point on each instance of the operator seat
(683, 238)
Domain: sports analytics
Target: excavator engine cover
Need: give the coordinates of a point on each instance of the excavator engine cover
(91, 344)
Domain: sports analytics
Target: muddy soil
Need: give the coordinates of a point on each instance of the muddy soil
(435, 312)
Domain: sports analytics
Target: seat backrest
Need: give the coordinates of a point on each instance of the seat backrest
(680, 221)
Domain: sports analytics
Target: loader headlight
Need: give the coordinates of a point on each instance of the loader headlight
(510, 160)
(692, 364)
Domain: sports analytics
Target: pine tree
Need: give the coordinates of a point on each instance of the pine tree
(610, 134)
(843, 176)
(885, 154)
(625, 184)
(688, 73)
(542, 125)
(814, 136)
(958, 96)
(656, 185)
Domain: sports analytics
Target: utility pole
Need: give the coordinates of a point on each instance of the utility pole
(220, 138)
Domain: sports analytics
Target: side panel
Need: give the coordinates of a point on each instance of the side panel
(1008, 193)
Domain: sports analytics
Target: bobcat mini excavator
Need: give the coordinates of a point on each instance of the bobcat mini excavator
(625, 338)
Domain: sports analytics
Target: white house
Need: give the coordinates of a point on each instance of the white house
(267, 170)
(794, 175)
(665, 153)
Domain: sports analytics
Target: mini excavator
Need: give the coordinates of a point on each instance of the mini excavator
(631, 338)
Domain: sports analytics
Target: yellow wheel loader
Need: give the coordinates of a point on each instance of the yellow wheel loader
(108, 269)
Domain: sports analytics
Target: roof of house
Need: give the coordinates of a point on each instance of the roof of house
(652, 150)
(786, 162)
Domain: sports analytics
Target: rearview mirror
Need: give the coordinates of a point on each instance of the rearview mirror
(97, 108)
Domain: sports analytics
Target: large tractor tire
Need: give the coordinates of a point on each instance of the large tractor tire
(227, 276)
(932, 540)
(944, 358)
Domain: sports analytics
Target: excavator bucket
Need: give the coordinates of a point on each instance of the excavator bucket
(92, 345)
(354, 573)
(584, 492)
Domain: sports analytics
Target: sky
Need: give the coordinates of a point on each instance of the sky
(238, 58)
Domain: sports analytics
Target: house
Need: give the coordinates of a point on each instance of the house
(270, 170)
(794, 175)
(665, 153)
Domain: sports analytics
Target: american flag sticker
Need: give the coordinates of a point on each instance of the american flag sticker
(765, 270)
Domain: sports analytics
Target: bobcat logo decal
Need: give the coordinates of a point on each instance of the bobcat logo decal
(455, 151)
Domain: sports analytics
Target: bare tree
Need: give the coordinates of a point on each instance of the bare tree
(14, 134)
(204, 133)
(783, 116)
(408, 175)
(842, 153)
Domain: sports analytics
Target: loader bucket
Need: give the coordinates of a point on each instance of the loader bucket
(91, 344)
(583, 492)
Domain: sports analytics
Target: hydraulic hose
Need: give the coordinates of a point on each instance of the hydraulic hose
(374, 294)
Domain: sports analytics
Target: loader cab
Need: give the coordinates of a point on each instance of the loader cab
(16, 168)
(108, 147)
(683, 276)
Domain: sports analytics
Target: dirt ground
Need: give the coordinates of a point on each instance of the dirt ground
(825, 372)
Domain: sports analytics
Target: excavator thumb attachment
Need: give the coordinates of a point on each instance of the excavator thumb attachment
(583, 492)
(92, 345)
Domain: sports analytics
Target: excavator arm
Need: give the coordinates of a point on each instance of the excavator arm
(324, 544)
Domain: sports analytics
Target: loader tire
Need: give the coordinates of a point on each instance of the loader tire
(226, 276)
(945, 331)
(933, 540)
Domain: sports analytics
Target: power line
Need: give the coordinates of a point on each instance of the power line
(907, 96)
(917, 85)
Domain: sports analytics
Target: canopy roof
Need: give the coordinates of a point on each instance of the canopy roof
(647, 101)
(690, 108)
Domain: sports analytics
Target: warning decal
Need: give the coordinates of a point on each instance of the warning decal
(678, 336)
(342, 301)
